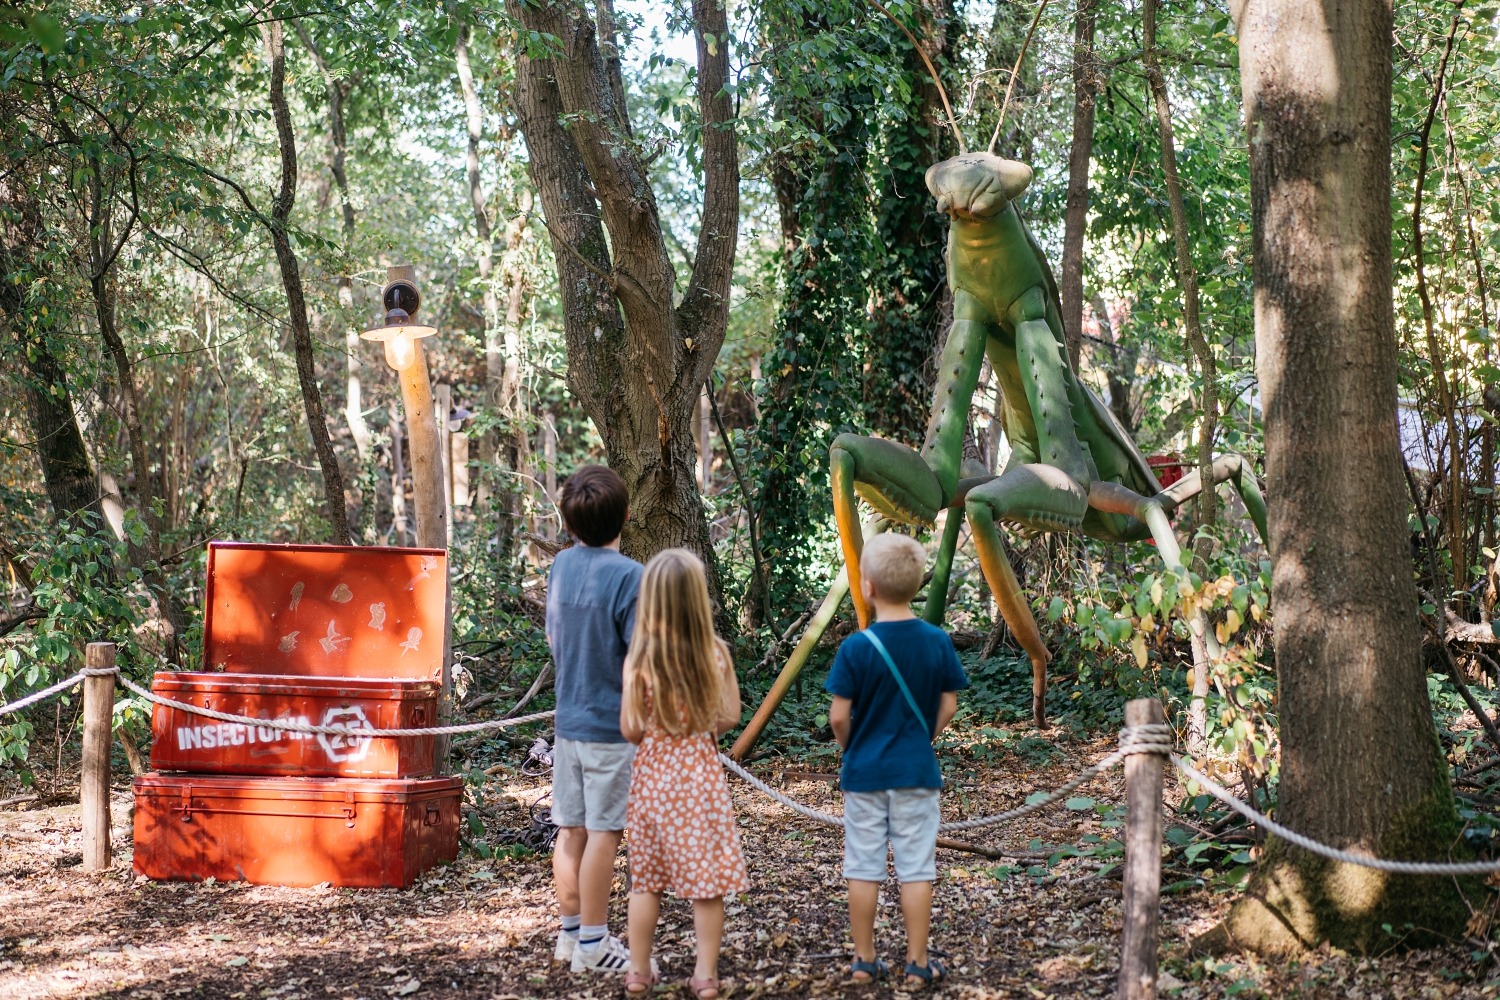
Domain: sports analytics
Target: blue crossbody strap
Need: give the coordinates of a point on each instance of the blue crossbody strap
(900, 681)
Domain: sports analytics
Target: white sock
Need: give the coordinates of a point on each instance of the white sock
(591, 936)
(571, 923)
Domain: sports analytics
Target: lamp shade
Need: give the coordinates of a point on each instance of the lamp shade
(399, 340)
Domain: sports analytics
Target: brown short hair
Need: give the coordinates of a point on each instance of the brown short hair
(593, 502)
(894, 564)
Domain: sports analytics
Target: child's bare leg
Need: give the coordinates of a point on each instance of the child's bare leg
(863, 897)
(641, 929)
(596, 874)
(567, 856)
(708, 929)
(916, 910)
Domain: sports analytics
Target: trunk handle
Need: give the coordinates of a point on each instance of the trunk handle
(343, 814)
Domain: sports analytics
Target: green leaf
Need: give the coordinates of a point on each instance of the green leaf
(1079, 803)
(48, 33)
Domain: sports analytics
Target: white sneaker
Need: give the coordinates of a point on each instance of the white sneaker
(610, 956)
(567, 943)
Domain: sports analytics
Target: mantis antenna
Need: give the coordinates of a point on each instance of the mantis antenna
(932, 70)
(1015, 70)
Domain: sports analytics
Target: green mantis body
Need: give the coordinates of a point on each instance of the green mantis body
(1072, 466)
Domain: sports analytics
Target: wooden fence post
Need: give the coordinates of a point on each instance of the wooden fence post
(1143, 782)
(98, 731)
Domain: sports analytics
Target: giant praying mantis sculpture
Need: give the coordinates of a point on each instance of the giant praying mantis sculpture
(1072, 466)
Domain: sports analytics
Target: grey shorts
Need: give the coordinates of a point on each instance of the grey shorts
(590, 783)
(907, 818)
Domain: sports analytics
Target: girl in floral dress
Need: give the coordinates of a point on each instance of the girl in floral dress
(680, 694)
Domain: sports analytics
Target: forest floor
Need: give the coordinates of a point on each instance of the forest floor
(484, 928)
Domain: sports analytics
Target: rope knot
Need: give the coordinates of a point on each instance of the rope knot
(98, 671)
(1154, 737)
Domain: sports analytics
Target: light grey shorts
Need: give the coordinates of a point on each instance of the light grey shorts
(907, 818)
(590, 783)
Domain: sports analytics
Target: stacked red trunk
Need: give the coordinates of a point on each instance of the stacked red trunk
(321, 635)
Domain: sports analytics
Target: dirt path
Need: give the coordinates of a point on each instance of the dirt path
(484, 928)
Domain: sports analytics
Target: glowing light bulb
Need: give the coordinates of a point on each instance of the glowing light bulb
(400, 352)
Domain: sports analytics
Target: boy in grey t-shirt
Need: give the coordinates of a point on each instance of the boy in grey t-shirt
(590, 614)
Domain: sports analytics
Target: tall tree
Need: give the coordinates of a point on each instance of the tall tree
(27, 314)
(502, 341)
(638, 376)
(812, 390)
(1361, 767)
(1086, 83)
(338, 88)
(908, 283)
(278, 226)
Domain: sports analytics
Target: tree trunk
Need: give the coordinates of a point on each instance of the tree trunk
(501, 336)
(291, 281)
(1456, 494)
(1187, 278)
(1119, 373)
(338, 88)
(1361, 765)
(813, 374)
(908, 281)
(70, 481)
(71, 485)
(494, 362)
(1086, 79)
(147, 490)
(635, 362)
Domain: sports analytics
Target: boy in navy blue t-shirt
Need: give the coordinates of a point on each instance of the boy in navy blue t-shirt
(894, 689)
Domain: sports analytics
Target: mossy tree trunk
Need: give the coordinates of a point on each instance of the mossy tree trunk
(1361, 764)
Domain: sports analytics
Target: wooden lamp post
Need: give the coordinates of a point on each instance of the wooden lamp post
(402, 338)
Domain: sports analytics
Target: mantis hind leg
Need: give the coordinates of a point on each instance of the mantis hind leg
(1230, 468)
(893, 479)
(1022, 493)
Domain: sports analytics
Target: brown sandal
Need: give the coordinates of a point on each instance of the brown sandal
(704, 989)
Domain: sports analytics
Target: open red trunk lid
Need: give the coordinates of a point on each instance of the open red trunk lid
(325, 610)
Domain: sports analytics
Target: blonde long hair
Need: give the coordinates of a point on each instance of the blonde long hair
(674, 652)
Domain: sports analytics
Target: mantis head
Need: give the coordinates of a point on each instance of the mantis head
(974, 186)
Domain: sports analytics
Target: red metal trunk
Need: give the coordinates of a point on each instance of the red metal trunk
(325, 610)
(294, 831)
(181, 741)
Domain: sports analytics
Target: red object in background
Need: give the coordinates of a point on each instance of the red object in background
(181, 741)
(1168, 469)
(325, 610)
(294, 831)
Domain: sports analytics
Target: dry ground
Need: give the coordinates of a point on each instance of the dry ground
(483, 928)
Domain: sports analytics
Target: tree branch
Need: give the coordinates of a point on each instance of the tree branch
(713, 266)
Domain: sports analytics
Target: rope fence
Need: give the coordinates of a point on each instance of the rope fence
(58, 688)
(1438, 868)
(292, 726)
(1151, 738)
